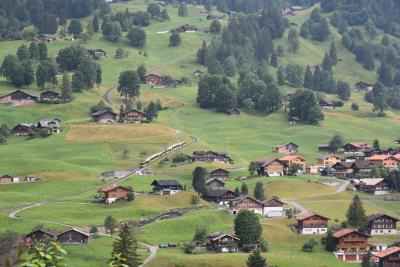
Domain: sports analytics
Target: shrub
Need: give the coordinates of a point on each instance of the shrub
(355, 106)
(195, 200)
(309, 246)
(131, 196)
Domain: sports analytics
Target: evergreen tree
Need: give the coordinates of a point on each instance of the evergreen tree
(274, 59)
(215, 26)
(89, 28)
(111, 30)
(247, 227)
(182, 10)
(23, 53)
(255, 259)
(259, 191)
(281, 76)
(308, 78)
(356, 214)
(253, 166)
(330, 242)
(333, 54)
(33, 50)
(304, 105)
(110, 224)
(78, 83)
(42, 51)
(327, 63)
(151, 111)
(237, 191)
(126, 246)
(175, 39)
(129, 84)
(66, 89)
(99, 74)
(244, 189)
(202, 54)
(385, 74)
(199, 180)
(154, 10)
(164, 15)
(343, 90)
(88, 69)
(225, 99)
(293, 39)
(141, 71)
(75, 27)
(96, 23)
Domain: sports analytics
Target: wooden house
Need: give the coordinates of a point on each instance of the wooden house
(221, 196)
(293, 120)
(375, 186)
(104, 116)
(18, 98)
(382, 224)
(54, 125)
(7, 179)
(97, 53)
(326, 148)
(361, 85)
(325, 105)
(114, 192)
(49, 96)
(389, 257)
(246, 203)
(329, 160)
(187, 28)
(22, 129)
(273, 207)
(211, 156)
(73, 236)
(311, 223)
(166, 187)
(351, 245)
(38, 235)
(132, 116)
(223, 242)
(343, 169)
(387, 161)
(354, 147)
(220, 174)
(286, 148)
(155, 80)
(214, 183)
(271, 167)
(291, 160)
(198, 73)
(48, 38)
(365, 166)
(233, 112)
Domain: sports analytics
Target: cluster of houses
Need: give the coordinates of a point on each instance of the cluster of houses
(20, 98)
(291, 11)
(70, 236)
(156, 81)
(186, 28)
(206, 156)
(128, 116)
(25, 129)
(8, 179)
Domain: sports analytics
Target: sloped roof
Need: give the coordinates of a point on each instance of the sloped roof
(170, 182)
(331, 155)
(112, 187)
(272, 199)
(380, 157)
(22, 91)
(46, 231)
(244, 197)
(371, 181)
(216, 179)
(373, 217)
(291, 157)
(223, 235)
(286, 144)
(75, 230)
(358, 145)
(269, 160)
(307, 215)
(220, 170)
(387, 252)
(135, 110)
(45, 123)
(219, 192)
(345, 232)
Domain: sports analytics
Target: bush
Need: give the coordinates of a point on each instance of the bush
(355, 106)
(189, 247)
(264, 246)
(195, 200)
(120, 53)
(309, 246)
(338, 103)
(131, 196)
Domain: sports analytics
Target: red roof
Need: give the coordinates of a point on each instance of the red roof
(307, 215)
(397, 156)
(387, 252)
(379, 157)
(371, 181)
(112, 187)
(345, 232)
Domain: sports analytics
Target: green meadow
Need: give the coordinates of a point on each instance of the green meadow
(69, 163)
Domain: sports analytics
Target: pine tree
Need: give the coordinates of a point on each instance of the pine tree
(308, 78)
(385, 74)
(247, 227)
(33, 50)
(141, 71)
(281, 77)
(90, 28)
(126, 246)
(356, 214)
(255, 259)
(199, 180)
(42, 51)
(293, 39)
(259, 191)
(78, 83)
(376, 144)
(96, 23)
(244, 189)
(23, 53)
(237, 191)
(274, 59)
(333, 54)
(366, 261)
(327, 63)
(66, 89)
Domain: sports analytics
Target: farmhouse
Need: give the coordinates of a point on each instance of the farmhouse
(211, 156)
(389, 257)
(73, 236)
(18, 98)
(104, 116)
(7, 179)
(155, 80)
(198, 73)
(214, 183)
(132, 116)
(220, 174)
(351, 245)
(286, 148)
(326, 148)
(246, 203)
(325, 105)
(312, 223)
(382, 224)
(387, 161)
(115, 192)
(38, 235)
(365, 166)
(221, 196)
(97, 53)
(49, 96)
(48, 38)
(329, 160)
(166, 187)
(22, 129)
(291, 160)
(223, 242)
(361, 85)
(187, 28)
(343, 168)
(293, 120)
(355, 147)
(233, 112)
(271, 167)
(273, 207)
(54, 125)
(375, 186)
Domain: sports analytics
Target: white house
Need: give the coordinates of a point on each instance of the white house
(273, 207)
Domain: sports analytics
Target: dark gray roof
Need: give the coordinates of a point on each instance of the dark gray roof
(166, 182)
(219, 192)
(373, 217)
(102, 112)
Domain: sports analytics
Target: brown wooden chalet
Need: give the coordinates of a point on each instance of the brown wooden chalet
(211, 156)
(312, 223)
(325, 105)
(271, 167)
(6, 179)
(49, 96)
(376, 186)
(73, 236)
(291, 160)
(214, 183)
(48, 38)
(104, 116)
(166, 187)
(286, 148)
(221, 196)
(351, 245)
(18, 98)
(132, 116)
(97, 53)
(246, 203)
(361, 85)
(114, 192)
(329, 160)
(386, 160)
(39, 235)
(389, 257)
(382, 224)
(354, 147)
(326, 148)
(155, 80)
(22, 129)
(223, 242)
(220, 174)
(343, 169)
